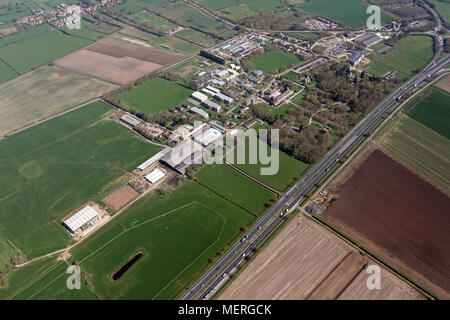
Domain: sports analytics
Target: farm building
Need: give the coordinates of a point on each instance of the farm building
(81, 220)
(155, 175)
(199, 96)
(218, 127)
(132, 121)
(182, 156)
(355, 58)
(199, 112)
(213, 89)
(153, 159)
(207, 91)
(212, 105)
(210, 135)
(368, 39)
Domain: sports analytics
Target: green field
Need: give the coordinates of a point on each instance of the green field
(289, 170)
(6, 73)
(432, 110)
(197, 37)
(236, 187)
(153, 19)
(155, 95)
(52, 168)
(177, 232)
(274, 60)
(351, 13)
(26, 54)
(49, 91)
(410, 53)
(443, 8)
(412, 136)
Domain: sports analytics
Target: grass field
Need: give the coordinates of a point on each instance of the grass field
(289, 170)
(155, 95)
(432, 110)
(52, 168)
(166, 43)
(414, 143)
(236, 187)
(177, 232)
(42, 93)
(443, 8)
(274, 60)
(409, 54)
(6, 73)
(197, 37)
(24, 55)
(351, 13)
(153, 19)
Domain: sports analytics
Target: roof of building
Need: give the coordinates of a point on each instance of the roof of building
(153, 159)
(219, 127)
(213, 89)
(356, 57)
(130, 120)
(223, 97)
(80, 218)
(199, 96)
(211, 105)
(210, 135)
(368, 39)
(207, 91)
(199, 111)
(155, 175)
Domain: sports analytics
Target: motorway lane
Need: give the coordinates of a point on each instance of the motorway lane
(317, 173)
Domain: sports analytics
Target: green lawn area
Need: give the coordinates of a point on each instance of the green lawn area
(34, 51)
(236, 187)
(431, 108)
(410, 53)
(443, 8)
(177, 232)
(289, 170)
(6, 73)
(277, 111)
(274, 60)
(351, 13)
(50, 169)
(155, 95)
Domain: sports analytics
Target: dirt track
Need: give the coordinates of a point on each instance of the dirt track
(399, 216)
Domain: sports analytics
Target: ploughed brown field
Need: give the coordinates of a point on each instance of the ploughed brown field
(305, 261)
(398, 216)
(117, 61)
(444, 84)
(121, 197)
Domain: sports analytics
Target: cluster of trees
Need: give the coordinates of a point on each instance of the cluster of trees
(281, 19)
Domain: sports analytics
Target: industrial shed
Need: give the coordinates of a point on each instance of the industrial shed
(155, 175)
(210, 135)
(153, 159)
(81, 220)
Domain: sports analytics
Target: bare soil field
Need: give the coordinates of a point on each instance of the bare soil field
(119, 49)
(43, 93)
(121, 197)
(398, 216)
(117, 61)
(122, 70)
(302, 262)
(444, 84)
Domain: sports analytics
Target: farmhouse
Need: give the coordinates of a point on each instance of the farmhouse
(356, 58)
(81, 220)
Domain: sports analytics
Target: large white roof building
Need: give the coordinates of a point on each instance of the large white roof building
(155, 175)
(81, 218)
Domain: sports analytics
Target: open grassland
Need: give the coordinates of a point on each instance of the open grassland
(397, 216)
(197, 37)
(155, 95)
(443, 8)
(6, 73)
(273, 61)
(187, 15)
(431, 108)
(289, 169)
(177, 233)
(236, 187)
(50, 169)
(43, 93)
(167, 43)
(351, 13)
(151, 18)
(24, 55)
(410, 54)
